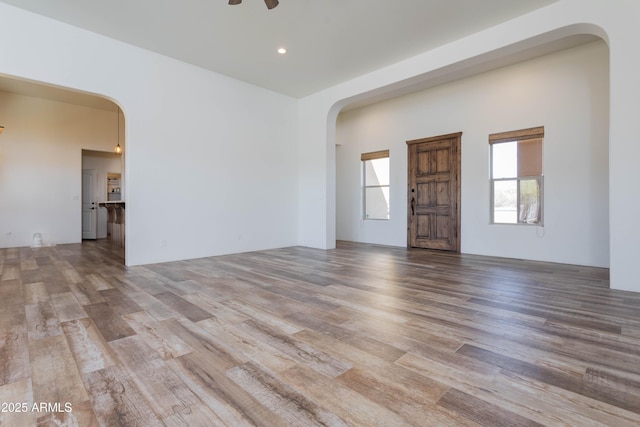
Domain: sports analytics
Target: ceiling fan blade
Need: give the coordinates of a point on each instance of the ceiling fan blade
(235, 2)
(271, 3)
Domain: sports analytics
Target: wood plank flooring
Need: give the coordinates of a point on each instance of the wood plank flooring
(361, 335)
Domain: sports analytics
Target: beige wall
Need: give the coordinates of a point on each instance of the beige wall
(41, 166)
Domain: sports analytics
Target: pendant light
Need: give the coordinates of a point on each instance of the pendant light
(118, 149)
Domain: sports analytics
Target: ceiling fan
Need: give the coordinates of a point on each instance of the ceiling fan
(270, 3)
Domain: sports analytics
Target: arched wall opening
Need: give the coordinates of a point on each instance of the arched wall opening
(566, 91)
(52, 134)
(363, 93)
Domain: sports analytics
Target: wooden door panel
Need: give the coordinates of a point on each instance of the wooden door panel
(423, 163)
(434, 193)
(442, 161)
(424, 227)
(434, 228)
(443, 225)
(443, 196)
(424, 195)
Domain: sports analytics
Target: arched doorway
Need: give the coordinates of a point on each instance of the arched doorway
(47, 131)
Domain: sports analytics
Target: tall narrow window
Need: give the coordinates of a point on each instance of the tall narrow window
(516, 176)
(375, 189)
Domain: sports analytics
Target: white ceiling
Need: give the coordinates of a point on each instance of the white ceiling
(329, 41)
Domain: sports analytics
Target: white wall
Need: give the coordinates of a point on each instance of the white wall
(566, 92)
(614, 21)
(219, 123)
(41, 166)
(210, 162)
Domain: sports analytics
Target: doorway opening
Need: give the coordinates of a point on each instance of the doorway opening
(102, 191)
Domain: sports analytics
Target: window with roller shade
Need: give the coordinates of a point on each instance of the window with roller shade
(375, 188)
(517, 177)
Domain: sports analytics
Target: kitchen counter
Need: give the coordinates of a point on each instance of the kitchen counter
(111, 202)
(115, 220)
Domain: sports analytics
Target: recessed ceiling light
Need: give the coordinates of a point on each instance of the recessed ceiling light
(282, 50)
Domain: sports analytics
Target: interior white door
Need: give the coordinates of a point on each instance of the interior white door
(89, 205)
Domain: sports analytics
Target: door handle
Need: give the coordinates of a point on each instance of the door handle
(413, 206)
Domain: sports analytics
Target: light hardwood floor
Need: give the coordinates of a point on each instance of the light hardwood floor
(361, 335)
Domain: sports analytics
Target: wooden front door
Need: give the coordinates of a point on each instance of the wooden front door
(433, 202)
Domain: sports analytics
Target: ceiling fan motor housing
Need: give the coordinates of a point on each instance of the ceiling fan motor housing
(270, 3)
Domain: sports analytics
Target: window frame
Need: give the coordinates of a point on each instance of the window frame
(364, 157)
(516, 136)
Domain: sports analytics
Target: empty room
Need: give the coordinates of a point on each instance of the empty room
(345, 213)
